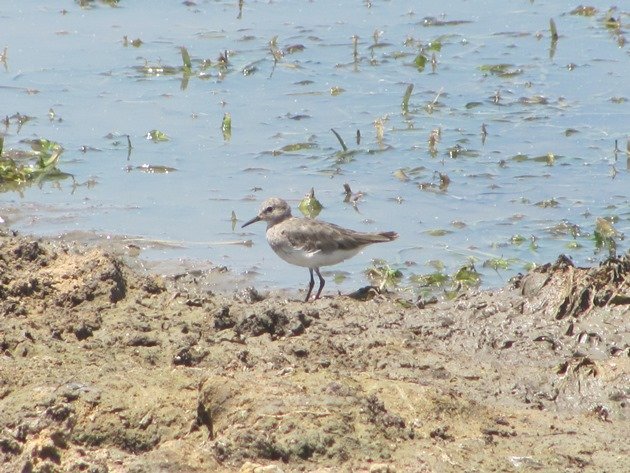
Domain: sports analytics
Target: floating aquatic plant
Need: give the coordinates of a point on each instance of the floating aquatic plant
(155, 169)
(294, 147)
(436, 279)
(90, 3)
(517, 239)
(310, 206)
(467, 275)
(336, 90)
(439, 280)
(438, 232)
(584, 11)
(501, 70)
(136, 43)
(157, 136)
(499, 263)
(406, 97)
(226, 126)
(186, 58)
(19, 167)
(553, 30)
(420, 62)
(605, 235)
(379, 126)
(383, 275)
(548, 203)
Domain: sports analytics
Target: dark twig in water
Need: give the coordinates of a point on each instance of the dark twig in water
(340, 139)
(129, 147)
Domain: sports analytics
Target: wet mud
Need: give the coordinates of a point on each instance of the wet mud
(104, 368)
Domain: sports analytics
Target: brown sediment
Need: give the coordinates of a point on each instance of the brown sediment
(105, 369)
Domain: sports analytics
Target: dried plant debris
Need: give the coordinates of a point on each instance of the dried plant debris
(581, 290)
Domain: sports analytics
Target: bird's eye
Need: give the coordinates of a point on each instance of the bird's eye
(269, 210)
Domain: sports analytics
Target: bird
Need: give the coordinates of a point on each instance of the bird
(311, 243)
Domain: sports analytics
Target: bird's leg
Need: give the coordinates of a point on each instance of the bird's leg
(310, 284)
(321, 282)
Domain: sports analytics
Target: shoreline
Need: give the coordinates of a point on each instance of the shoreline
(105, 369)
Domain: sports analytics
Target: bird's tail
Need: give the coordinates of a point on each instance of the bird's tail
(389, 235)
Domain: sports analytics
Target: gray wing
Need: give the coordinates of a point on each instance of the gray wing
(315, 235)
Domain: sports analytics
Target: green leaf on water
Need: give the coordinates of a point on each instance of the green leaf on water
(435, 45)
(438, 232)
(470, 105)
(46, 154)
(501, 70)
(155, 169)
(548, 203)
(44, 146)
(467, 275)
(310, 206)
(157, 136)
(494, 68)
(435, 279)
(186, 58)
(553, 29)
(401, 175)
(339, 278)
(530, 266)
(158, 70)
(226, 126)
(384, 275)
(610, 21)
(604, 229)
(292, 148)
(498, 263)
(605, 234)
(437, 264)
(46, 161)
(405, 101)
(336, 90)
(420, 62)
(549, 159)
(584, 11)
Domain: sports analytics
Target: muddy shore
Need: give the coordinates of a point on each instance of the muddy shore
(104, 368)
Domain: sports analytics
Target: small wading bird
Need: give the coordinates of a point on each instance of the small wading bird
(311, 243)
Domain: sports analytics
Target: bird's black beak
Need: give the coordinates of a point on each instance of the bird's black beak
(253, 220)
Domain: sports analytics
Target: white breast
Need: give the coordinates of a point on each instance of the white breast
(315, 259)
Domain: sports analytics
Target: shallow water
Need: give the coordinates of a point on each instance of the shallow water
(569, 99)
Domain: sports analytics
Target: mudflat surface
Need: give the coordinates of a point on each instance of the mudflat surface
(106, 369)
